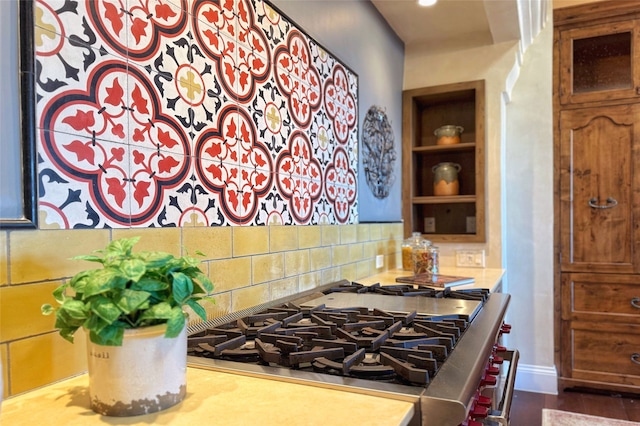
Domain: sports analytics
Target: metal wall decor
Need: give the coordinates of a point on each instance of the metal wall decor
(378, 152)
(189, 113)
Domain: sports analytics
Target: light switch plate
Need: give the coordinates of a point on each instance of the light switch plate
(470, 258)
(379, 261)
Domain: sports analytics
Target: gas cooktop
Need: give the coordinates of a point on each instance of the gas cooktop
(432, 346)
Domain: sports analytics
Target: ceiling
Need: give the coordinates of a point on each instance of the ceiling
(463, 24)
(451, 24)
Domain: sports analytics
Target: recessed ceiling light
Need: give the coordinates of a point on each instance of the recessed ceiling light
(427, 2)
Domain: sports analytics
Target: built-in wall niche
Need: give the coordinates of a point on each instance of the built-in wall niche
(454, 217)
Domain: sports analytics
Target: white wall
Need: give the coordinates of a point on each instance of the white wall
(519, 163)
(528, 237)
(492, 64)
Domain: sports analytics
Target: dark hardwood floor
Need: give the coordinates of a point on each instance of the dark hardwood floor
(526, 408)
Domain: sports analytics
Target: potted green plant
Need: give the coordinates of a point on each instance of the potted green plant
(133, 307)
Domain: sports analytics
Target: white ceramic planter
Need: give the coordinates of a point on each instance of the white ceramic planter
(144, 375)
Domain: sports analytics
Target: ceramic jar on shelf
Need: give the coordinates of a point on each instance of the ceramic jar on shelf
(445, 179)
(448, 135)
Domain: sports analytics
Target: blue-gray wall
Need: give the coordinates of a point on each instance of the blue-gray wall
(10, 170)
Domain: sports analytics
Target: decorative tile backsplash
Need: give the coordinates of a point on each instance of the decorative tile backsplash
(157, 113)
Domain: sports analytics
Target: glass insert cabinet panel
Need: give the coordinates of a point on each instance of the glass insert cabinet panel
(598, 63)
(602, 63)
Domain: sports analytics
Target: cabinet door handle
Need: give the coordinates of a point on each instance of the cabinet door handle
(635, 302)
(611, 202)
(635, 358)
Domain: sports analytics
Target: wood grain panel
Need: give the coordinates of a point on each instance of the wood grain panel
(597, 152)
(602, 352)
(601, 297)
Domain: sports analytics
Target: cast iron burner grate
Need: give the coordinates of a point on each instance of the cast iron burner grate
(412, 290)
(375, 344)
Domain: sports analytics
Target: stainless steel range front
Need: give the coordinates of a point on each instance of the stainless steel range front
(438, 349)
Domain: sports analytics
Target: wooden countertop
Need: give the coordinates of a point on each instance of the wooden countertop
(484, 277)
(213, 398)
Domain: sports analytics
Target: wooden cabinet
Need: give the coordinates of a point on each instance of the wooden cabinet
(599, 62)
(600, 190)
(450, 218)
(602, 333)
(613, 298)
(597, 153)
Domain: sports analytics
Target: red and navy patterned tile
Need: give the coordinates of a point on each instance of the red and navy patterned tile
(157, 118)
(253, 58)
(88, 185)
(206, 208)
(295, 168)
(208, 97)
(340, 104)
(271, 118)
(322, 140)
(157, 179)
(322, 60)
(224, 189)
(214, 34)
(232, 160)
(97, 110)
(273, 209)
(340, 186)
(297, 78)
(67, 71)
(212, 102)
(273, 25)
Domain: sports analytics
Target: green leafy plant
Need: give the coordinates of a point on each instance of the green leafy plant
(131, 290)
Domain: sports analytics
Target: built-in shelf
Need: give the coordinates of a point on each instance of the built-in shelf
(443, 200)
(458, 218)
(470, 146)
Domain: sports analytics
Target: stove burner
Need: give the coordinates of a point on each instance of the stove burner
(353, 342)
(412, 290)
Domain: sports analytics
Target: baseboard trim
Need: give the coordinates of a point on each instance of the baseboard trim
(536, 378)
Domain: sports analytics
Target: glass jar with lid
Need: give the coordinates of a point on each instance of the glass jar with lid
(407, 249)
(434, 260)
(425, 259)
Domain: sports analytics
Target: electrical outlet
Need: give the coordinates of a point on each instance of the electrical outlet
(429, 225)
(471, 224)
(470, 258)
(379, 261)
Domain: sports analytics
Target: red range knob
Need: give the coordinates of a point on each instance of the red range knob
(478, 411)
(494, 371)
(495, 359)
(499, 348)
(488, 381)
(483, 400)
